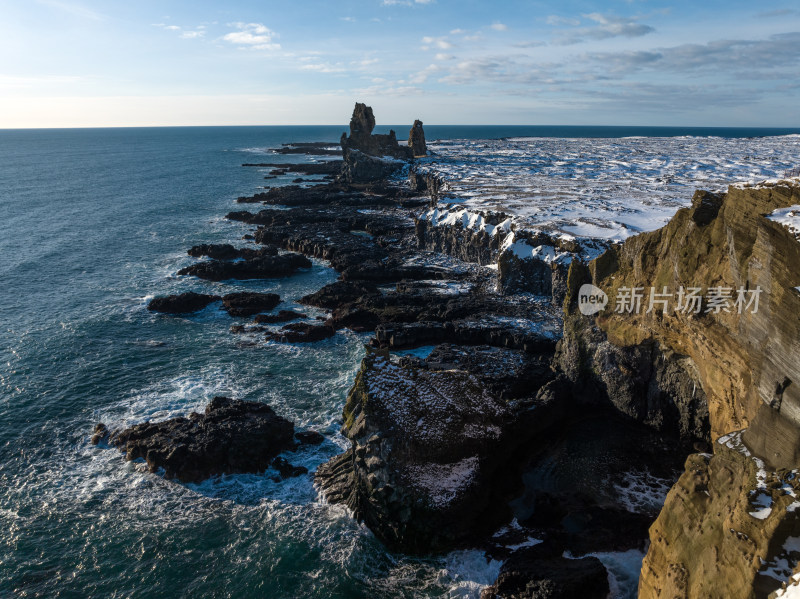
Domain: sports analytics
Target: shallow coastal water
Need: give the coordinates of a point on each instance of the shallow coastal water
(94, 223)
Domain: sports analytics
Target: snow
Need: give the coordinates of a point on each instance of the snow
(641, 492)
(789, 218)
(444, 482)
(792, 590)
(605, 189)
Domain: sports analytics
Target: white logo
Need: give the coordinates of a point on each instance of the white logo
(591, 299)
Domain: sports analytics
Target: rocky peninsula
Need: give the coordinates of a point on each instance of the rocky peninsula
(527, 427)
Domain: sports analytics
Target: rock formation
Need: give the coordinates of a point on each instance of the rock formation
(372, 157)
(230, 436)
(727, 526)
(428, 466)
(416, 140)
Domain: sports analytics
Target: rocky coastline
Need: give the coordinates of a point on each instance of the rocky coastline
(489, 411)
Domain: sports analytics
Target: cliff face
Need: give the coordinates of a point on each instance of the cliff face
(740, 363)
(729, 529)
(729, 526)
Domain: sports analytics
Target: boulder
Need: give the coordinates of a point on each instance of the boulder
(263, 267)
(247, 303)
(183, 303)
(230, 436)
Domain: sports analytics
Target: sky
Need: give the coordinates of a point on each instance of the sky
(86, 63)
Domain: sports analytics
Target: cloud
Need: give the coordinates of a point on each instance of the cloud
(607, 27)
(437, 42)
(195, 33)
(252, 35)
(498, 27)
(528, 44)
(422, 76)
(762, 59)
(442, 56)
(323, 67)
(557, 20)
(458, 31)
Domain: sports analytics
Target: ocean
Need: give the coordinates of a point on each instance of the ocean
(94, 224)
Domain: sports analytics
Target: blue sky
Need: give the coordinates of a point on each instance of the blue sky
(628, 62)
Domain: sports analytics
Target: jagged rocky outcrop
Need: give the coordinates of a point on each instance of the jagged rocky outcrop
(183, 303)
(267, 266)
(416, 140)
(541, 572)
(230, 436)
(729, 528)
(370, 157)
(708, 369)
(428, 466)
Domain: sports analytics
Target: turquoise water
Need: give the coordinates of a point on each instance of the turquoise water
(94, 222)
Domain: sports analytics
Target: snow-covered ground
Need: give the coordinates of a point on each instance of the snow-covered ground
(607, 189)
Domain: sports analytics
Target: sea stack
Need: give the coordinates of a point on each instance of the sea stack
(416, 140)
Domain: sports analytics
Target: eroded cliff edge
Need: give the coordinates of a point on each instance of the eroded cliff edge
(728, 525)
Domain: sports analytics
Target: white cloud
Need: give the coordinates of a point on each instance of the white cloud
(442, 56)
(499, 27)
(607, 27)
(422, 76)
(252, 35)
(323, 67)
(438, 42)
(195, 33)
(558, 20)
(457, 31)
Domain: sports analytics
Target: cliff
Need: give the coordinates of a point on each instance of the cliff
(705, 367)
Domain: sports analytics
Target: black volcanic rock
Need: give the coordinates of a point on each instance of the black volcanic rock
(539, 573)
(231, 436)
(309, 437)
(369, 157)
(287, 470)
(302, 332)
(225, 251)
(247, 303)
(184, 303)
(416, 140)
(282, 316)
(264, 267)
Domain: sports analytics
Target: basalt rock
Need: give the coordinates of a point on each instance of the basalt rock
(428, 466)
(302, 332)
(265, 267)
(370, 157)
(247, 303)
(225, 251)
(282, 316)
(539, 572)
(416, 140)
(230, 436)
(184, 303)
